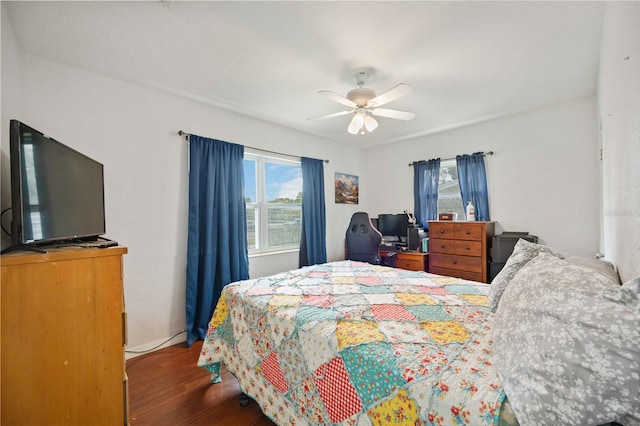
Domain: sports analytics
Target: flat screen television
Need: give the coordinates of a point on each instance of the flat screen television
(57, 193)
(393, 225)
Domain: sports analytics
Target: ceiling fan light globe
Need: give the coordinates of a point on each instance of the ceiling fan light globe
(353, 130)
(370, 123)
(356, 124)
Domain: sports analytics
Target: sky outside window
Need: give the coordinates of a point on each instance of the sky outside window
(282, 181)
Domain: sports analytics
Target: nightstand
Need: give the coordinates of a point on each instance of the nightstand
(410, 260)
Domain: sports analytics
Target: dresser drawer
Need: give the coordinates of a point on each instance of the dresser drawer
(461, 263)
(410, 261)
(468, 231)
(468, 248)
(473, 276)
(440, 230)
(439, 245)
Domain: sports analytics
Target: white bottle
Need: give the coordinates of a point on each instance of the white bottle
(471, 212)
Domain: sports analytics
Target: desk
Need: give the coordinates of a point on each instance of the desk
(411, 260)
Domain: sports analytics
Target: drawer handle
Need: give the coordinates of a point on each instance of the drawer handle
(442, 231)
(467, 232)
(467, 248)
(442, 246)
(455, 262)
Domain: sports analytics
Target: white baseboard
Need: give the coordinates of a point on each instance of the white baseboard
(135, 351)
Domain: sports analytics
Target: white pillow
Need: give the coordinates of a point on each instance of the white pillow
(595, 265)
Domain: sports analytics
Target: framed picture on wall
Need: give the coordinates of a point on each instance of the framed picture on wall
(346, 188)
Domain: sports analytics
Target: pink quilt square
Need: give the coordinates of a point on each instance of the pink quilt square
(369, 280)
(336, 390)
(271, 370)
(391, 312)
(323, 300)
(433, 290)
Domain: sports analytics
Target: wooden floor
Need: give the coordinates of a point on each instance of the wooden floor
(166, 388)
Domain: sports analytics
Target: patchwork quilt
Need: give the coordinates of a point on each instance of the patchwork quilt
(356, 344)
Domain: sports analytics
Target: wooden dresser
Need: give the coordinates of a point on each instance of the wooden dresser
(63, 337)
(460, 249)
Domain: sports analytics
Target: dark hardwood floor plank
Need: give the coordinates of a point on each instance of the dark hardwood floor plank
(166, 388)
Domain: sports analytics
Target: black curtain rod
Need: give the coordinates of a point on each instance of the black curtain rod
(186, 137)
(453, 158)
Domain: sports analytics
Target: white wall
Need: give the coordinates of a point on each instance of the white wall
(543, 177)
(132, 131)
(619, 108)
(10, 108)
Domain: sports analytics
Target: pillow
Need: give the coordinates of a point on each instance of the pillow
(629, 294)
(523, 252)
(595, 265)
(567, 349)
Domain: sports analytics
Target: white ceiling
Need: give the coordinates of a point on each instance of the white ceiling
(466, 61)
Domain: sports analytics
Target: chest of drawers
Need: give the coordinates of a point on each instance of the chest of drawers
(460, 249)
(63, 336)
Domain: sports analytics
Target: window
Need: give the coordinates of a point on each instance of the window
(273, 193)
(449, 198)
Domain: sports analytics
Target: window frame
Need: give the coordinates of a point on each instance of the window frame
(261, 206)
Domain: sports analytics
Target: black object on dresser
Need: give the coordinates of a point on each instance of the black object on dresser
(502, 247)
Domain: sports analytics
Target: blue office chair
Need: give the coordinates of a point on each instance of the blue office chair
(363, 240)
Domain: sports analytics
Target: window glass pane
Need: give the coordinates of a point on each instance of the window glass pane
(251, 228)
(284, 224)
(250, 180)
(449, 199)
(283, 190)
(283, 183)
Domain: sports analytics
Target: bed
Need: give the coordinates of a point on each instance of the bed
(357, 344)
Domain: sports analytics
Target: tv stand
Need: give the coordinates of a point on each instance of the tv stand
(23, 247)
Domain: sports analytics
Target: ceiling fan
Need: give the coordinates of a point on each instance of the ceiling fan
(364, 104)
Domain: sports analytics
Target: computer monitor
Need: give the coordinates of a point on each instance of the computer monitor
(393, 225)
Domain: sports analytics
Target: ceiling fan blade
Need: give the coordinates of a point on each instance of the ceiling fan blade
(338, 98)
(390, 95)
(393, 113)
(335, 114)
